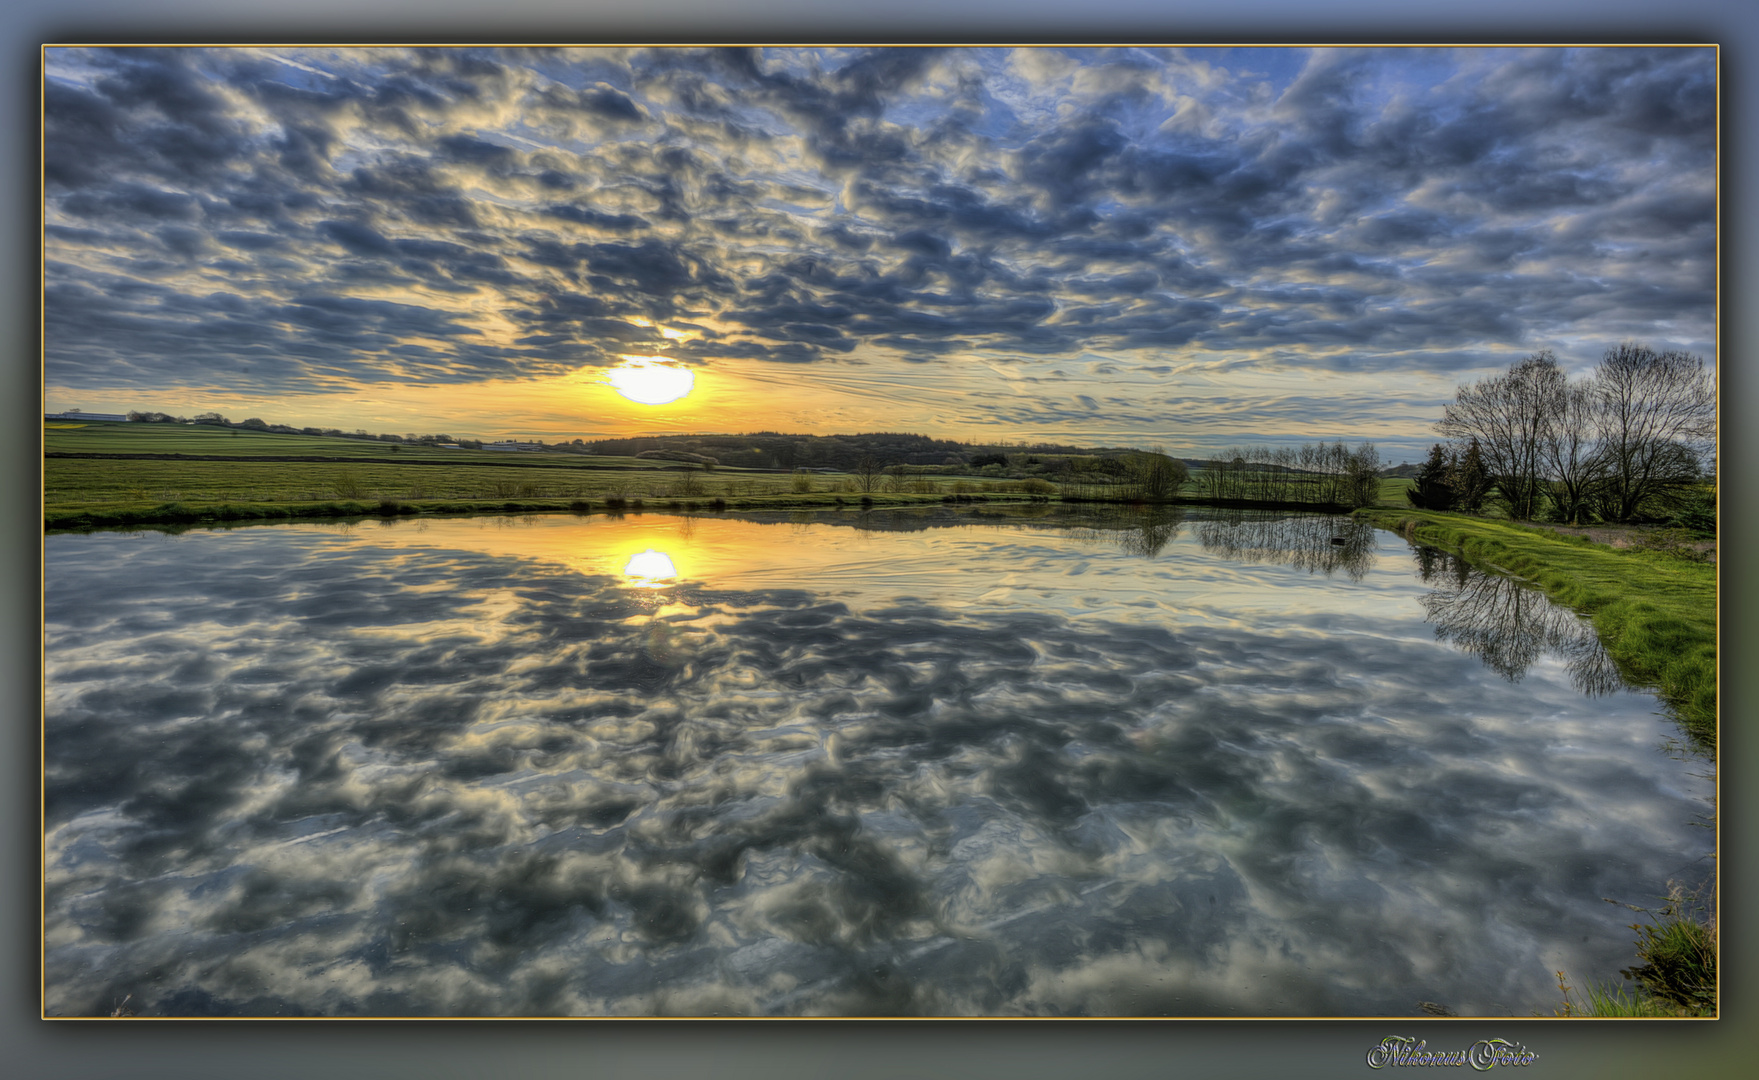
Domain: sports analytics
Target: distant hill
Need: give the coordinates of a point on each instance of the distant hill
(782, 452)
(773, 450)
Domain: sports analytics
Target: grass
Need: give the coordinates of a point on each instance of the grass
(1610, 1001)
(1678, 949)
(1677, 976)
(1392, 491)
(1654, 611)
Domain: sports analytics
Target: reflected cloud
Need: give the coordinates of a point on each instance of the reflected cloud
(296, 772)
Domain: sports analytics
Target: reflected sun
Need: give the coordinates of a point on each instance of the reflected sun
(650, 380)
(650, 569)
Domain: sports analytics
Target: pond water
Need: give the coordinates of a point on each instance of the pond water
(893, 763)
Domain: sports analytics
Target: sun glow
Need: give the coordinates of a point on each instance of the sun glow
(650, 380)
(650, 569)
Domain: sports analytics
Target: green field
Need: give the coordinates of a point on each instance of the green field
(360, 477)
(103, 438)
(1392, 491)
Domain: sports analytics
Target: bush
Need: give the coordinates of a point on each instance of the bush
(1698, 515)
(347, 485)
(502, 489)
(1155, 475)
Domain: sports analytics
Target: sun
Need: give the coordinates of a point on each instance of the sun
(650, 380)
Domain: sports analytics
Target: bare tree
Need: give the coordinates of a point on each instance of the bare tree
(1509, 416)
(1658, 417)
(1362, 475)
(1568, 451)
(1155, 475)
(868, 472)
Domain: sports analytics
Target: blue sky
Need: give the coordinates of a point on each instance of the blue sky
(1195, 248)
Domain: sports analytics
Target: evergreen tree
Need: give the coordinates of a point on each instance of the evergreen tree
(1434, 487)
(1471, 480)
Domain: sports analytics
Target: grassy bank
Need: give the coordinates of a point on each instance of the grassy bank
(1654, 612)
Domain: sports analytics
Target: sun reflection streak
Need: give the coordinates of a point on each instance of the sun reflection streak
(650, 569)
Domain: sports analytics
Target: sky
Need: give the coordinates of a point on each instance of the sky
(1194, 248)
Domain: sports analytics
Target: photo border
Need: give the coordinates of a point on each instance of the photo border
(906, 1048)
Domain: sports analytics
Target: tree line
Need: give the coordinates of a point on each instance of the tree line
(1631, 442)
(1320, 474)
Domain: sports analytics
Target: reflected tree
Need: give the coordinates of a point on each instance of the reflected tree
(1316, 543)
(1509, 625)
(1134, 532)
(1151, 534)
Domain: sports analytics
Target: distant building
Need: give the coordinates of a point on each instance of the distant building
(511, 445)
(75, 414)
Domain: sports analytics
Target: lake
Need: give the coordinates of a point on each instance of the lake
(944, 762)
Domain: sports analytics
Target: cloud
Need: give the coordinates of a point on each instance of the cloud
(961, 203)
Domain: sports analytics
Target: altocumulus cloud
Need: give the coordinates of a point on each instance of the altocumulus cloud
(302, 220)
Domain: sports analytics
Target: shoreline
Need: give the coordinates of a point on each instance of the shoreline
(221, 513)
(1654, 613)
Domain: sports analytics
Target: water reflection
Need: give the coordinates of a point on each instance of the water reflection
(650, 569)
(1318, 543)
(952, 771)
(1509, 624)
(1137, 532)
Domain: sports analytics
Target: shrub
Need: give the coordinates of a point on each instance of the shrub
(347, 485)
(1698, 515)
